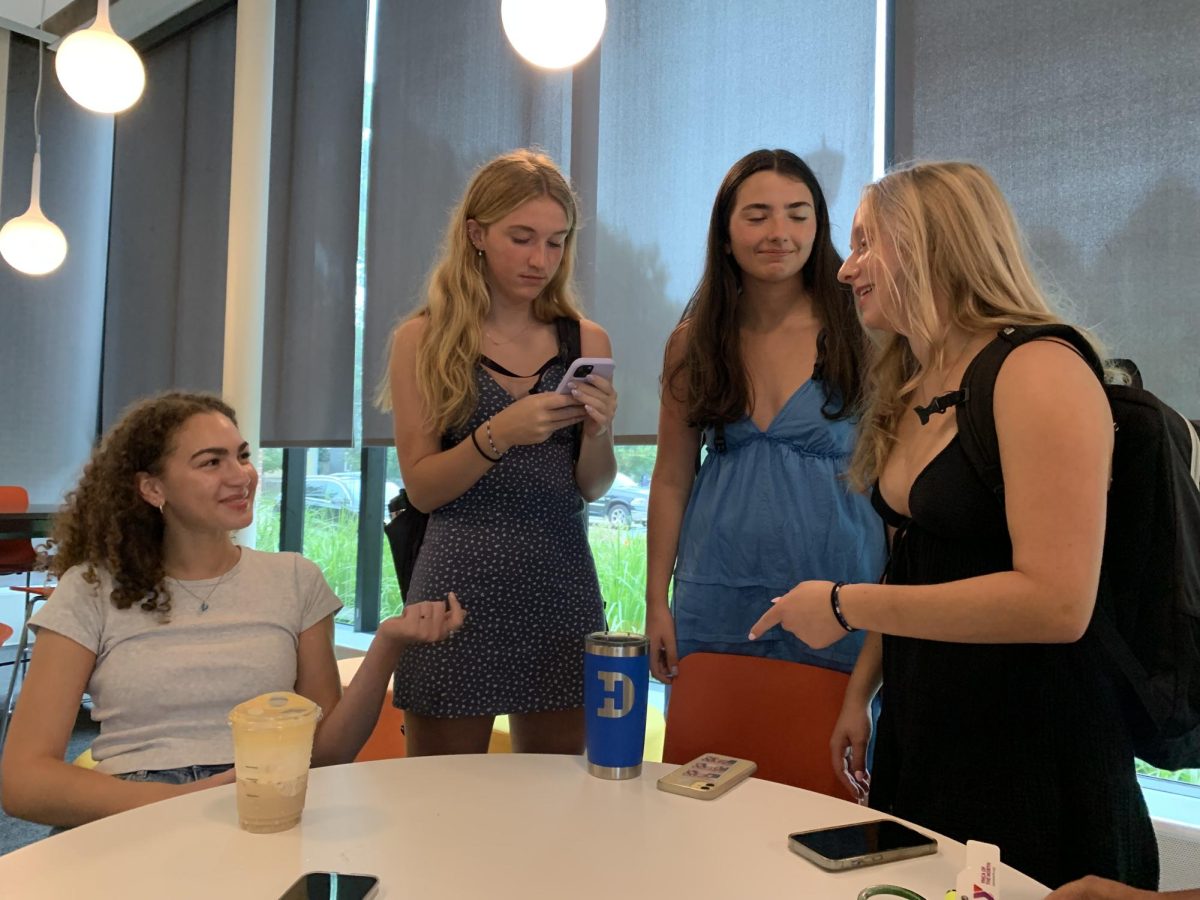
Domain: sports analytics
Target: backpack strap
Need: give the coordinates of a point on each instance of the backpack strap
(976, 415)
(570, 348)
(570, 341)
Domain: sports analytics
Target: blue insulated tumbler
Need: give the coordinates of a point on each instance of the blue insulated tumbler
(616, 678)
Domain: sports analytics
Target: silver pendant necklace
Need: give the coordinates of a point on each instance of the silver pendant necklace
(203, 608)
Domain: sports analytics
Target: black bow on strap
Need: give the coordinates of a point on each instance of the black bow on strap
(940, 404)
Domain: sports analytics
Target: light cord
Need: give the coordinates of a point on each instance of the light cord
(37, 99)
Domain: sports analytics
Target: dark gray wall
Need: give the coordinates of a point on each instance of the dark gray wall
(51, 327)
(1088, 114)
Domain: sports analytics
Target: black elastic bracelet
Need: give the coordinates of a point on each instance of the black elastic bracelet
(836, 603)
(475, 441)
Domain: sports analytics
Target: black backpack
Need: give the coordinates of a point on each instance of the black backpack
(1147, 617)
(406, 529)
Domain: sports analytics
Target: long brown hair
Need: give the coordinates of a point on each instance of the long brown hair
(106, 522)
(710, 378)
(456, 294)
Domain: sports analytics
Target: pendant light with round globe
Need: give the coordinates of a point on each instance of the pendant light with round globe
(553, 34)
(31, 243)
(97, 69)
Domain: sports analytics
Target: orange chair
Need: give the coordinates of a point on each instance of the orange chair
(779, 714)
(17, 555)
(387, 738)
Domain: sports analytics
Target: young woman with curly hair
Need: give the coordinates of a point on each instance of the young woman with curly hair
(1000, 721)
(168, 624)
(503, 464)
(764, 370)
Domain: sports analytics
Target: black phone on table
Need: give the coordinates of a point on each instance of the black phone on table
(861, 844)
(332, 886)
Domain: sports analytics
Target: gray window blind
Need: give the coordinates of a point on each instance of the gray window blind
(52, 325)
(680, 89)
(165, 315)
(316, 144)
(686, 89)
(449, 94)
(1087, 112)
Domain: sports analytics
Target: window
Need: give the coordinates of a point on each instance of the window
(617, 534)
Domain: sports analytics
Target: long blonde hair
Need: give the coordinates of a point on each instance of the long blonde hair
(956, 238)
(456, 294)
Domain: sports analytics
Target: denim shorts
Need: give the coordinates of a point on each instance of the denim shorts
(181, 775)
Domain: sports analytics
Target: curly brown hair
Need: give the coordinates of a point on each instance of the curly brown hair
(106, 522)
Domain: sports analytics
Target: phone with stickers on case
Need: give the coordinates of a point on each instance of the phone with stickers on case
(583, 367)
(707, 777)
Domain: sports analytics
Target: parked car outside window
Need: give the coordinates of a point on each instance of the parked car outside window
(624, 504)
(339, 494)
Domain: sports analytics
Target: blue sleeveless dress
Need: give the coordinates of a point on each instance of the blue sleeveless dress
(771, 511)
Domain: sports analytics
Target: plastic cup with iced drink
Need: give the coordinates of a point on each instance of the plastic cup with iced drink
(272, 750)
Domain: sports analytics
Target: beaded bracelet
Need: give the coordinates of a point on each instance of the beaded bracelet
(836, 603)
(491, 443)
(475, 441)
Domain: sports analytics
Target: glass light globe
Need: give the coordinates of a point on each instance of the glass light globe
(33, 244)
(553, 34)
(98, 70)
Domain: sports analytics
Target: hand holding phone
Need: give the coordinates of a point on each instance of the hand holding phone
(707, 777)
(862, 844)
(582, 368)
(599, 399)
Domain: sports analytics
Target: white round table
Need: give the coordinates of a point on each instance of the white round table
(495, 826)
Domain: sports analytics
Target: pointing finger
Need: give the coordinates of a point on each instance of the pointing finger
(766, 622)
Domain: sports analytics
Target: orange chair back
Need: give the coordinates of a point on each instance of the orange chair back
(13, 498)
(5, 632)
(779, 714)
(387, 738)
(16, 555)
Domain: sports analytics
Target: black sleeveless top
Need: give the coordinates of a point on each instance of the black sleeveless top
(1021, 745)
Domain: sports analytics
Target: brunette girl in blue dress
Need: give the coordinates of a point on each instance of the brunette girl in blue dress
(763, 371)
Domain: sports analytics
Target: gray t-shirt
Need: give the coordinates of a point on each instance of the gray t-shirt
(161, 690)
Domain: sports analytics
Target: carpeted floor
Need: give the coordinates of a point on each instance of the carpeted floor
(16, 833)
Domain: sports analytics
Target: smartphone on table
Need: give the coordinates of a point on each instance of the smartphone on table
(583, 367)
(332, 886)
(707, 777)
(862, 844)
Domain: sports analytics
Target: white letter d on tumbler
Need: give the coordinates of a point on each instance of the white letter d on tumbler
(608, 709)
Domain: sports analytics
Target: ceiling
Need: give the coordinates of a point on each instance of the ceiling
(130, 18)
(28, 12)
